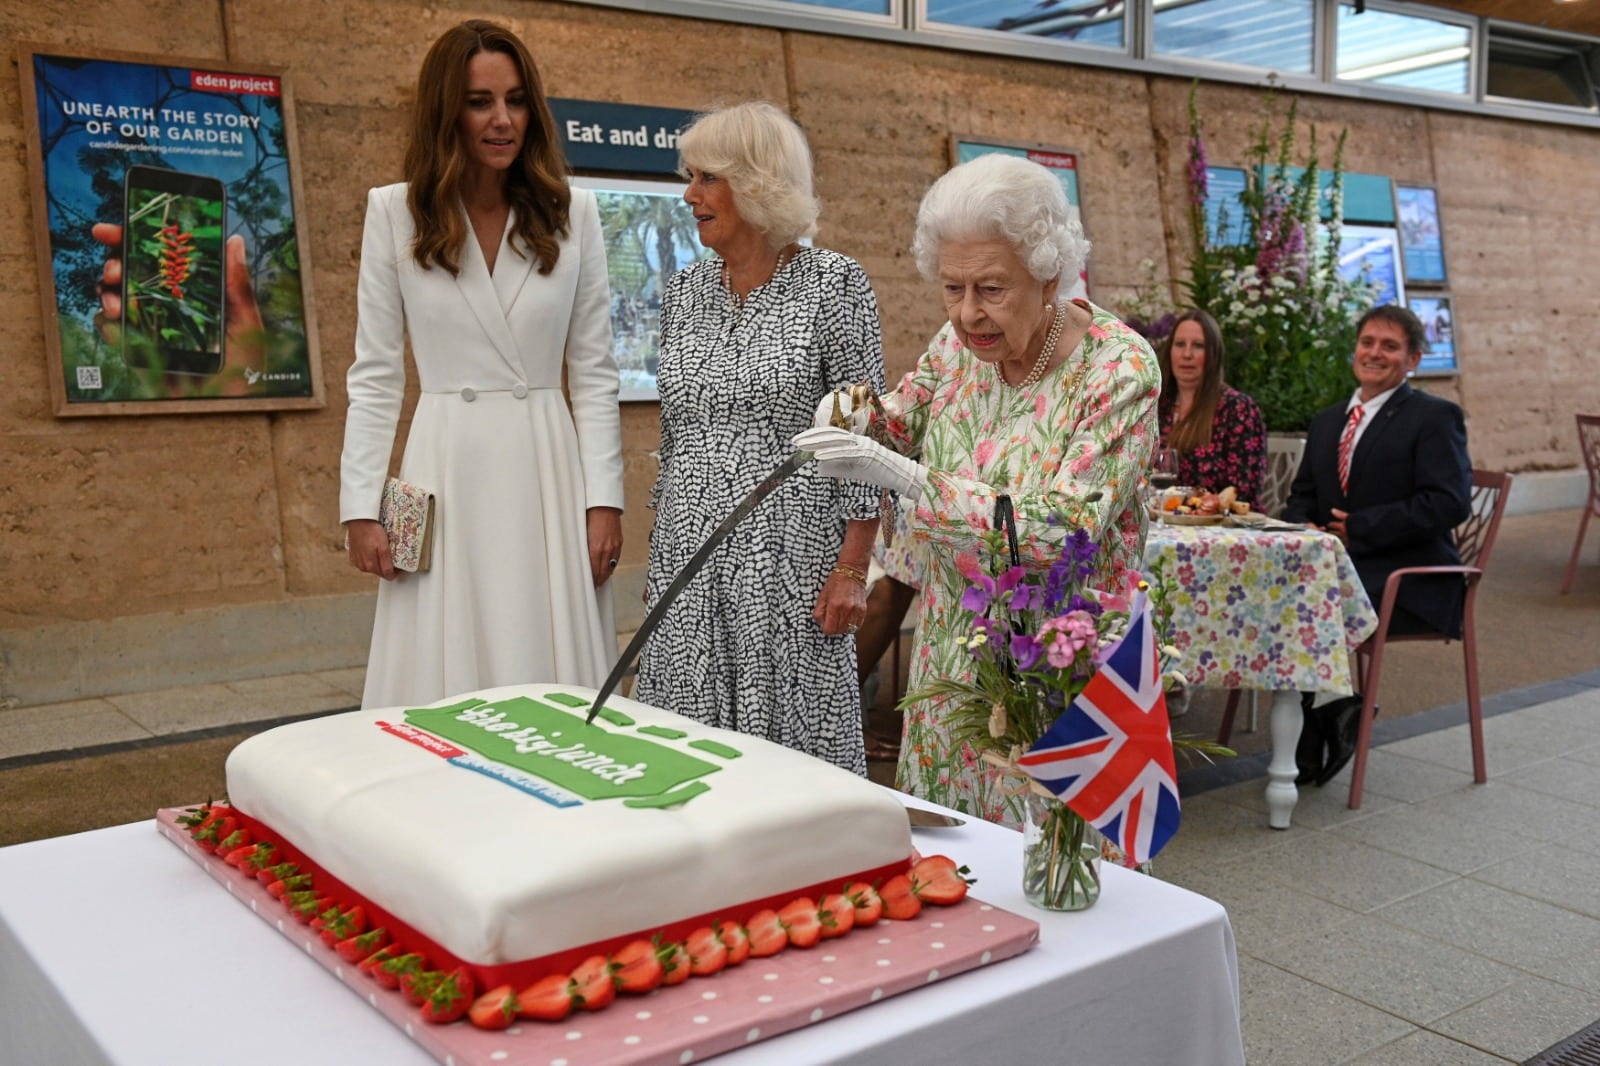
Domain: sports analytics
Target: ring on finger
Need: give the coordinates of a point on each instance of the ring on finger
(853, 627)
(612, 563)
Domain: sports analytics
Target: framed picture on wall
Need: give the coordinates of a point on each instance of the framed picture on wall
(1064, 163)
(650, 235)
(1439, 327)
(1421, 237)
(174, 272)
(1373, 253)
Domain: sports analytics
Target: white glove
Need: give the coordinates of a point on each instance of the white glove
(843, 454)
(859, 420)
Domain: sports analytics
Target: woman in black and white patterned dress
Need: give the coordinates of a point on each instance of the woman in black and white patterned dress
(762, 641)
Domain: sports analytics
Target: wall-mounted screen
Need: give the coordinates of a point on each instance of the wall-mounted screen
(650, 235)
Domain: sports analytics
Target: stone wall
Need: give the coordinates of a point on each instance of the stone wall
(161, 526)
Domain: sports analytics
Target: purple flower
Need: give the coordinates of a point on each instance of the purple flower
(985, 590)
(1198, 187)
(1025, 650)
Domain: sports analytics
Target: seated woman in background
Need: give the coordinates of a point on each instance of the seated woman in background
(1219, 434)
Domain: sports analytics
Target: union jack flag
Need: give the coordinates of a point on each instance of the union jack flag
(1109, 755)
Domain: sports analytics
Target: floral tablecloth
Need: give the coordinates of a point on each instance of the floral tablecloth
(1257, 609)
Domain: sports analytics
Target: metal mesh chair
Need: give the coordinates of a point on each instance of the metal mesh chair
(1283, 462)
(1589, 444)
(1474, 540)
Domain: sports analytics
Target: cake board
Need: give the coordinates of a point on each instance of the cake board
(690, 1022)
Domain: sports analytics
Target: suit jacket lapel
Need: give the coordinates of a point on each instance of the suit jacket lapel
(481, 294)
(511, 270)
(1369, 442)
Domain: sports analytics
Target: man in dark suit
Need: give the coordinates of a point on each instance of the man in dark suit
(1387, 473)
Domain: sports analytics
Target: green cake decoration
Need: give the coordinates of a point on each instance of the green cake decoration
(588, 760)
(712, 747)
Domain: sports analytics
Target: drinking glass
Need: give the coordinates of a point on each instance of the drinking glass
(1163, 476)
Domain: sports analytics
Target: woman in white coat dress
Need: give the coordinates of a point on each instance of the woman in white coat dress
(496, 268)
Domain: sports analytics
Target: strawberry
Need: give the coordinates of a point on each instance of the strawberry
(937, 879)
(343, 925)
(837, 915)
(264, 856)
(766, 934)
(241, 855)
(801, 922)
(370, 964)
(547, 999)
(591, 983)
(449, 997)
(418, 985)
(236, 839)
(736, 939)
(356, 948)
(210, 833)
(675, 963)
(389, 972)
(495, 1009)
(636, 969)
(195, 819)
(868, 904)
(276, 872)
(305, 911)
(292, 883)
(899, 901)
(707, 954)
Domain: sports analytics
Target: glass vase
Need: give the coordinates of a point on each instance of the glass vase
(1060, 856)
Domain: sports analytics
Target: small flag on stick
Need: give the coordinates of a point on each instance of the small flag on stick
(1109, 755)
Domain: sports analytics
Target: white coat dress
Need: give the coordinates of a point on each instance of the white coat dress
(510, 598)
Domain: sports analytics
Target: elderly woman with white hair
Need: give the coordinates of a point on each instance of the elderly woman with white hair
(1023, 393)
(762, 640)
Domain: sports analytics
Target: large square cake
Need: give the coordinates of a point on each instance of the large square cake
(512, 837)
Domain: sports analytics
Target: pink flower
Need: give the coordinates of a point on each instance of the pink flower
(984, 451)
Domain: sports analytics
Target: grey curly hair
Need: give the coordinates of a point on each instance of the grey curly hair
(1004, 197)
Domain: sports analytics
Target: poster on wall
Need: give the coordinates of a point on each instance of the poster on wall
(1421, 239)
(1439, 328)
(1372, 253)
(173, 271)
(650, 235)
(1064, 163)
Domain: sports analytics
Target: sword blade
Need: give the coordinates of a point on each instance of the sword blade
(782, 473)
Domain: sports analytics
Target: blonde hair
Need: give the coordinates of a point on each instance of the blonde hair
(763, 156)
(1003, 197)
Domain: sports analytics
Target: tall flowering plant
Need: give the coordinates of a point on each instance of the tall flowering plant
(1287, 314)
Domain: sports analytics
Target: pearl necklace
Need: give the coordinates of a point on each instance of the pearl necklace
(1037, 373)
(784, 255)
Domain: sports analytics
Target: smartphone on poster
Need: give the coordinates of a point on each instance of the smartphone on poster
(174, 227)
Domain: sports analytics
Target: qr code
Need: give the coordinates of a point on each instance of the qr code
(88, 377)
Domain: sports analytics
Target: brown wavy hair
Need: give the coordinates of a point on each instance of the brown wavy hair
(1194, 430)
(436, 160)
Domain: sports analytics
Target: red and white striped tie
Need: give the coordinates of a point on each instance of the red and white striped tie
(1347, 444)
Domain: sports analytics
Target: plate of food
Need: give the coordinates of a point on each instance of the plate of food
(1174, 518)
(1202, 508)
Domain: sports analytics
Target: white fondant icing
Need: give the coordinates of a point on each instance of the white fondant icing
(497, 876)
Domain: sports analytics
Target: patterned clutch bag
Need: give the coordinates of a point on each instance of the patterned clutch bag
(406, 514)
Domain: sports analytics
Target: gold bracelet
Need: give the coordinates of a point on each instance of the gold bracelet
(850, 572)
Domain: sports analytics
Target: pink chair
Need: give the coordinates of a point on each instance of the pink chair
(1589, 444)
(1474, 539)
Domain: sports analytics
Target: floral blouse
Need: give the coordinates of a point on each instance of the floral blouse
(1237, 454)
(1071, 452)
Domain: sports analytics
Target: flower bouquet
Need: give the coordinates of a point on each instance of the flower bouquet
(1034, 646)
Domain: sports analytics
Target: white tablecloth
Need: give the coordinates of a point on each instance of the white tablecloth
(117, 948)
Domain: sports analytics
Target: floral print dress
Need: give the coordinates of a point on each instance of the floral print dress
(1237, 454)
(1088, 428)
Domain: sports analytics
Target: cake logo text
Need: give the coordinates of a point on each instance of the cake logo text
(550, 752)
